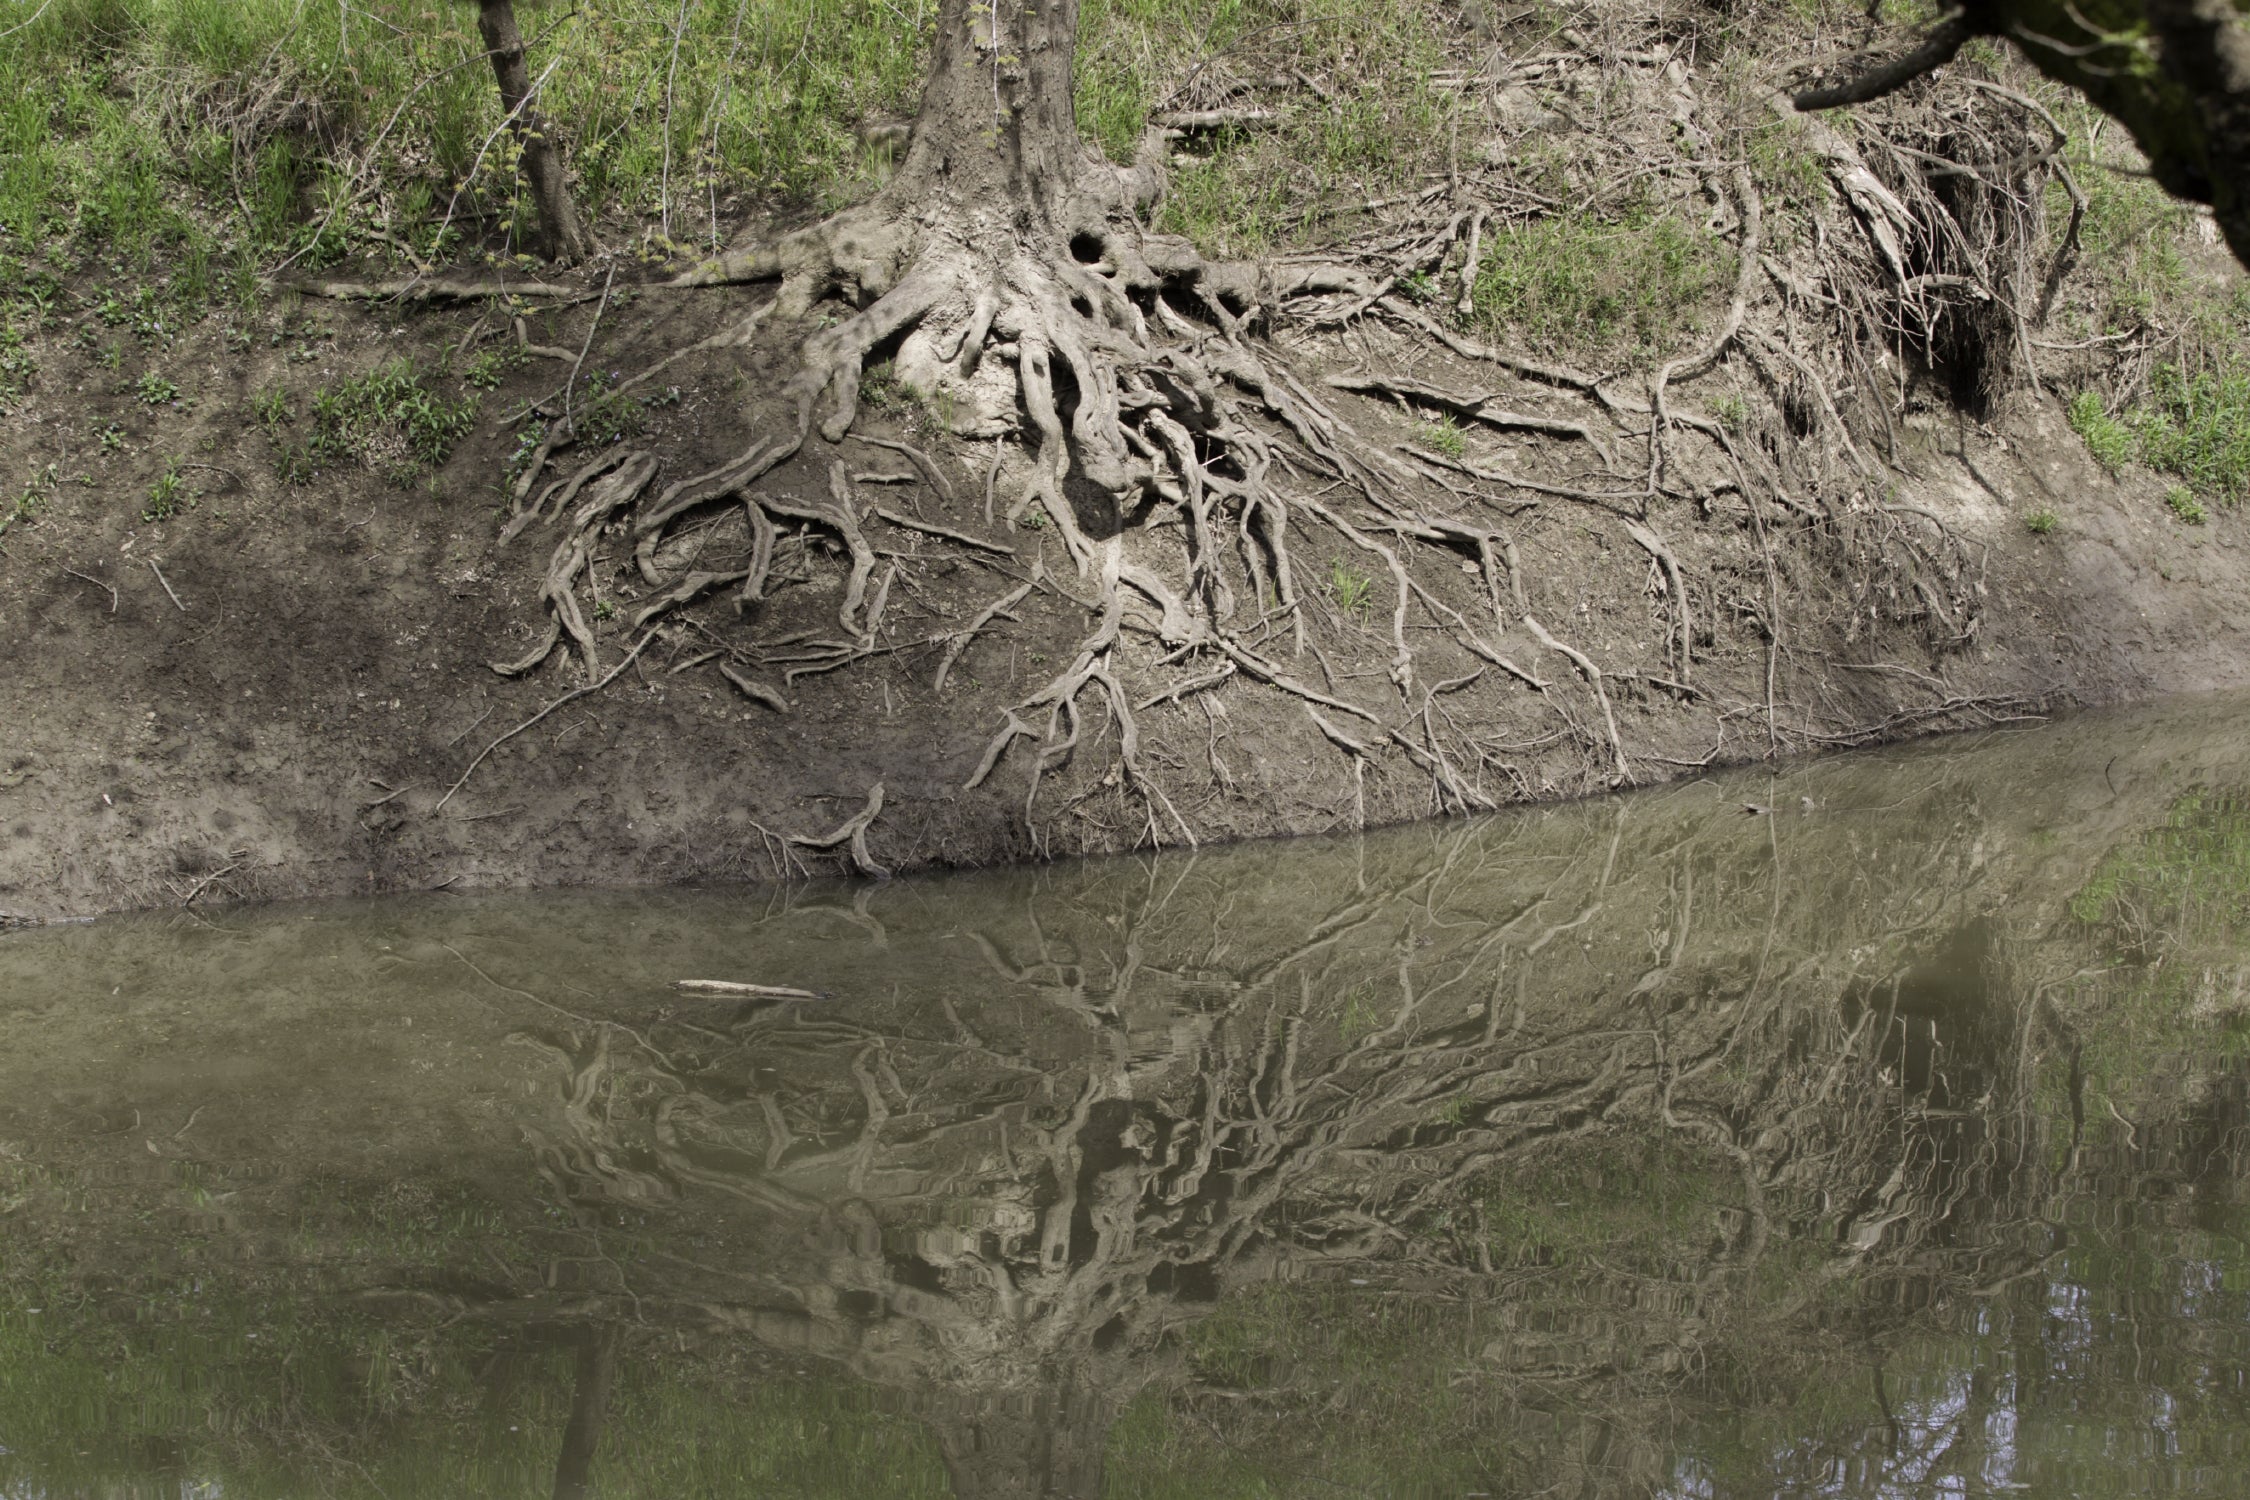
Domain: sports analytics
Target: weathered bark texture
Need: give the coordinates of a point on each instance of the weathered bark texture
(561, 236)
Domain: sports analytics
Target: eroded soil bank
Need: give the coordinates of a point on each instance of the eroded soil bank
(1690, 433)
(284, 690)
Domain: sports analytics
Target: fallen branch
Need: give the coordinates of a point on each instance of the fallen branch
(755, 690)
(1185, 120)
(426, 289)
(729, 987)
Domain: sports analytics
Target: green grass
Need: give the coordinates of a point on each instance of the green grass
(2184, 505)
(2194, 427)
(1375, 122)
(2040, 522)
(37, 494)
(2197, 428)
(2109, 440)
(271, 108)
(388, 417)
(2130, 238)
(1441, 436)
(1603, 287)
(1352, 589)
(181, 134)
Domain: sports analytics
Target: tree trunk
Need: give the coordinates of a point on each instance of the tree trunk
(998, 124)
(589, 1406)
(560, 235)
(1051, 1447)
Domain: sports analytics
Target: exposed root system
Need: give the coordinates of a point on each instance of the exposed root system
(1227, 524)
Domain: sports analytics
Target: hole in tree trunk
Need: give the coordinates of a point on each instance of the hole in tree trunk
(1094, 507)
(1086, 248)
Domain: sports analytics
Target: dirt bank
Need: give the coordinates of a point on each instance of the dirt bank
(283, 689)
(1681, 433)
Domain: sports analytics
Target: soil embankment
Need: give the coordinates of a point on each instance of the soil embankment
(282, 690)
(1476, 498)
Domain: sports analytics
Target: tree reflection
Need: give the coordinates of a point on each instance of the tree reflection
(1004, 1195)
(1640, 1147)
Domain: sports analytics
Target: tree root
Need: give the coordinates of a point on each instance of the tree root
(612, 493)
(962, 640)
(1178, 458)
(1593, 676)
(852, 831)
(570, 697)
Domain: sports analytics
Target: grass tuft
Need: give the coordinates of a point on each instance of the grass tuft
(1636, 284)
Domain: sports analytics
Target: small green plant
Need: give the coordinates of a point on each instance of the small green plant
(1731, 412)
(153, 389)
(16, 367)
(2184, 504)
(433, 424)
(1034, 518)
(111, 437)
(293, 461)
(1352, 589)
(112, 355)
(2109, 440)
(2039, 522)
(882, 389)
(38, 494)
(527, 443)
(488, 369)
(1441, 436)
(272, 408)
(165, 496)
(604, 415)
(389, 407)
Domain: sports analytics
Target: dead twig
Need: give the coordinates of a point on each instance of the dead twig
(570, 697)
(175, 598)
(908, 523)
(97, 583)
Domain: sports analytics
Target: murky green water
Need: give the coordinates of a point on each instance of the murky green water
(1891, 1143)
